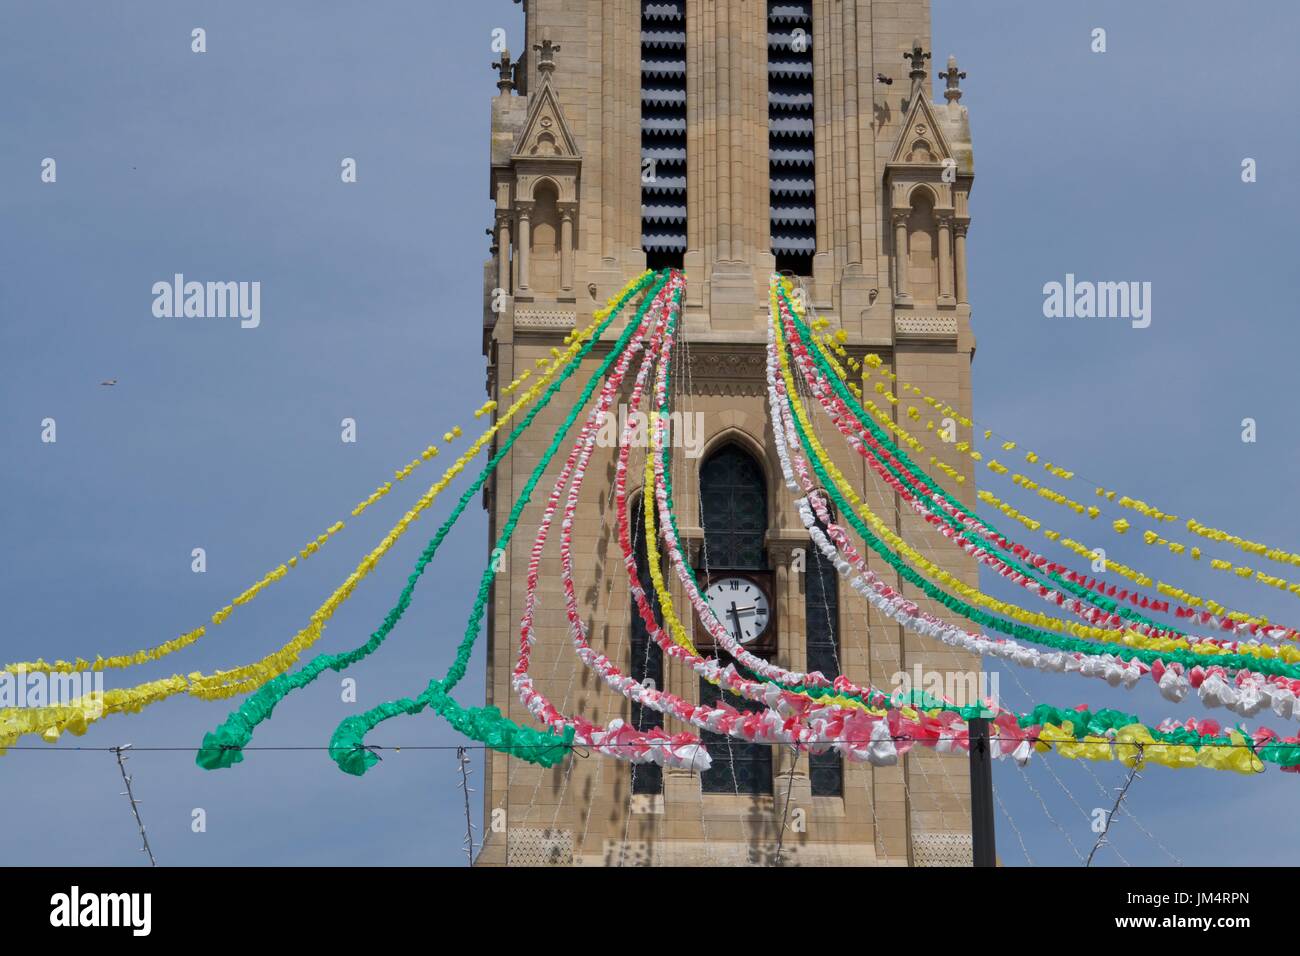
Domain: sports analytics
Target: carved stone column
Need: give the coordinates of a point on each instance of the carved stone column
(902, 292)
(945, 258)
(566, 248)
(959, 255)
(525, 214)
(782, 593)
(503, 252)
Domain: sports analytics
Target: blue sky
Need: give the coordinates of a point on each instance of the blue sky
(1115, 166)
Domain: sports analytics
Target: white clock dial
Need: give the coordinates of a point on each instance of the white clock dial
(741, 606)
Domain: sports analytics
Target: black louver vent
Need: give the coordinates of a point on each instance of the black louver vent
(790, 134)
(663, 132)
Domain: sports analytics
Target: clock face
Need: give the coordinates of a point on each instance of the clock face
(741, 605)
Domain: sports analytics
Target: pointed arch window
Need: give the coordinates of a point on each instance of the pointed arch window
(923, 247)
(733, 506)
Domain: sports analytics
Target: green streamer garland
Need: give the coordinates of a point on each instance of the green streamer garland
(1061, 642)
(223, 747)
(488, 725)
(922, 477)
(1098, 722)
(1082, 722)
(914, 697)
(485, 724)
(1263, 665)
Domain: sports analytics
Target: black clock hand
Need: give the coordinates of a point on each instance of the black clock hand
(736, 617)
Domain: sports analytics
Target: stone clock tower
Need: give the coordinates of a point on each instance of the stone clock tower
(729, 138)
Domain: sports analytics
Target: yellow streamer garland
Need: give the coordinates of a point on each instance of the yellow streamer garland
(51, 722)
(1134, 744)
(664, 597)
(122, 661)
(1278, 555)
(829, 348)
(1137, 577)
(666, 608)
(1121, 525)
(937, 575)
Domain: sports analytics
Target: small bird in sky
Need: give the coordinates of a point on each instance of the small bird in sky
(109, 381)
(887, 80)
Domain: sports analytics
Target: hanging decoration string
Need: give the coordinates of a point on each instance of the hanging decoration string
(223, 746)
(1188, 749)
(485, 724)
(157, 652)
(1270, 553)
(1218, 614)
(51, 722)
(1252, 690)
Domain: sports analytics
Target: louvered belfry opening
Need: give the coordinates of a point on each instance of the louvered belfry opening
(663, 132)
(790, 134)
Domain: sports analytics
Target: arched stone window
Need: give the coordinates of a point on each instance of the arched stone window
(733, 509)
(545, 251)
(923, 248)
(733, 514)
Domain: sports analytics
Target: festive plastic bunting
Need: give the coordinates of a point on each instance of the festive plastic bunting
(1113, 639)
(223, 746)
(1259, 549)
(487, 725)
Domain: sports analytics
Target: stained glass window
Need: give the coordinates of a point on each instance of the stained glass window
(733, 506)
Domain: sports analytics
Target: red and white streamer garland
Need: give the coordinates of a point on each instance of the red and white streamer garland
(1242, 691)
(789, 718)
(617, 739)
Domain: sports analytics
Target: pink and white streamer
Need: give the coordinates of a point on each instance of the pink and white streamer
(1245, 692)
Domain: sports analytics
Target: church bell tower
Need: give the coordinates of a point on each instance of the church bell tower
(730, 139)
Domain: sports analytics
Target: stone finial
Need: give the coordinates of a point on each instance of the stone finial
(505, 73)
(546, 51)
(953, 93)
(918, 56)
